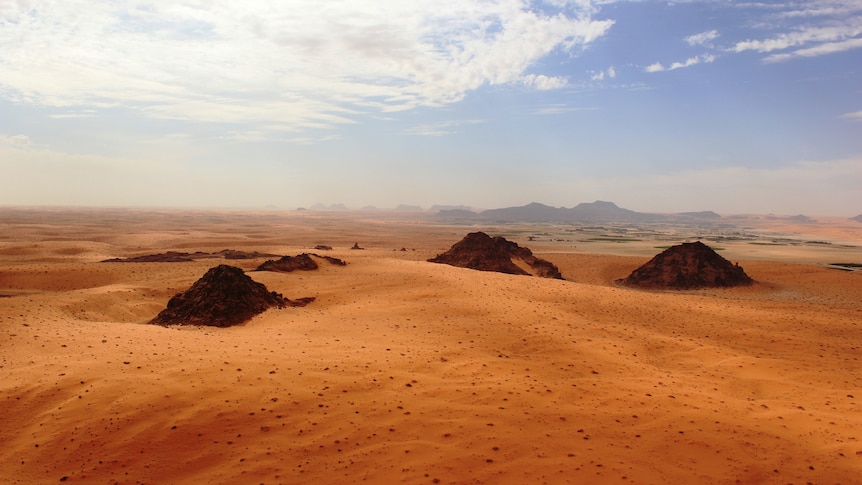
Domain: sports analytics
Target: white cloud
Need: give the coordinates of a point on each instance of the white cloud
(610, 73)
(855, 116)
(545, 83)
(822, 8)
(809, 29)
(702, 39)
(818, 50)
(82, 114)
(800, 37)
(295, 64)
(691, 61)
(656, 67)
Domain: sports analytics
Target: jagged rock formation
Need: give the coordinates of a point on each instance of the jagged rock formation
(688, 266)
(223, 297)
(286, 264)
(302, 262)
(482, 252)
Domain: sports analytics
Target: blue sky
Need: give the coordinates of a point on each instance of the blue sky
(736, 107)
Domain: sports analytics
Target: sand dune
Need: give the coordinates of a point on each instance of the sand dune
(404, 371)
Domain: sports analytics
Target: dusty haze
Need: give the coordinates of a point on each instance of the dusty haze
(405, 371)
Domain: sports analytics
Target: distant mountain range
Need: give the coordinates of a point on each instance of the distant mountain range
(857, 218)
(598, 211)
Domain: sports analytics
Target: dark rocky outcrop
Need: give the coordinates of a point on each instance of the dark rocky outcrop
(234, 254)
(223, 297)
(180, 257)
(688, 266)
(482, 252)
(286, 264)
(168, 257)
(301, 262)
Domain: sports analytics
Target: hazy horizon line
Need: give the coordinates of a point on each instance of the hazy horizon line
(400, 208)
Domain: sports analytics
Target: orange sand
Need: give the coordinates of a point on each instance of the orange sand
(405, 371)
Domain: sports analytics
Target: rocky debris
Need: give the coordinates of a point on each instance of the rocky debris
(356, 246)
(234, 254)
(180, 257)
(323, 247)
(223, 297)
(168, 257)
(286, 264)
(301, 262)
(688, 266)
(481, 252)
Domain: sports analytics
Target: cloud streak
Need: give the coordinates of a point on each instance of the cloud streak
(691, 61)
(702, 39)
(808, 29)
(441, 128)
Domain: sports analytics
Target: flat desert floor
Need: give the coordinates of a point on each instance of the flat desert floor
(404, 371)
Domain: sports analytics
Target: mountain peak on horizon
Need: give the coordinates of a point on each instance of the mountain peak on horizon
(599, 204)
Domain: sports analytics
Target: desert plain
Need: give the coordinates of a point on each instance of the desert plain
(405, 371)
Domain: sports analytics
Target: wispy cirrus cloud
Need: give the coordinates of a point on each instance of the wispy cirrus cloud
(440, 129)
(293, 64)
(807, 29)
(691, 61)
(702, 39)
(558, 109)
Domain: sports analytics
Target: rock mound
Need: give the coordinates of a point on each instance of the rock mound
(688, 266)
(180, 257)
(286, 264)
(224, 296)
(482, 252)
(302, 262)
